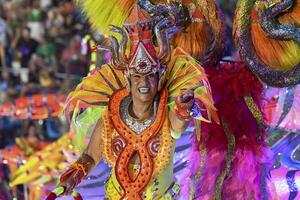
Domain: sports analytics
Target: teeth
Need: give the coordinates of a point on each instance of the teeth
(144, 90)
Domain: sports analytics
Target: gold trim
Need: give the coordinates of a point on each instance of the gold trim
(257, 114)
(231, 147)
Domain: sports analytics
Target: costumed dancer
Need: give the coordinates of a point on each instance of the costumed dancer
(219, 171)
(141, 102)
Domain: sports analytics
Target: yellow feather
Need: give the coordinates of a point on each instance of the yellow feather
(186, 73)
(102, 13)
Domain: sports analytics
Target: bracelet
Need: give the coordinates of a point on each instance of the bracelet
(183, 114)
(80, 167)
(84, 164)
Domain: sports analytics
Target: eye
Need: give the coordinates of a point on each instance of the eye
(136, 76)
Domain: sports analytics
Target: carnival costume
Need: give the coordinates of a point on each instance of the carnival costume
(106, 94)
(224, 150)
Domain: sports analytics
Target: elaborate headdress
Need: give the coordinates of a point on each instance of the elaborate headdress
(143, 56)
(148, 30)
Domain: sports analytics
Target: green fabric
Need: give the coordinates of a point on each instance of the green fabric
(176, 134)
(84, 124)
(46, 50)
(35, 16)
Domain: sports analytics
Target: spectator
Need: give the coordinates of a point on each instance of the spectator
(35, 21)
(48, 82)
(72, 59)
(26, 47)
(31, 141)
(35, 65)
(45, 4)
(42, 35)
(46, 50)
(36, 56)
(3, 44)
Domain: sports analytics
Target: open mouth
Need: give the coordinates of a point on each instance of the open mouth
(144, 90)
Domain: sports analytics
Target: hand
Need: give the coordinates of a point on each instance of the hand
(73, 176)
(185, 99)
(70, 179)
(68, 186)
(184, 104)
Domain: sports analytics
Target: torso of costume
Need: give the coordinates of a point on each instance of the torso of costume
(140, 153)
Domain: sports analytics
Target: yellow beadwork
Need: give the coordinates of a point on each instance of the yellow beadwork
(113, 190)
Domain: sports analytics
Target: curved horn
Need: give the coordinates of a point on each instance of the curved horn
(147, 5)
(242, 33)
(275, 29)
(111, 44)
(162, 39)
(163, 31)
(123, 43)
(115, 52)
(168, 26)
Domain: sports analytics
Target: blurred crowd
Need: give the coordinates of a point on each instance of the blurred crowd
(38, 40)
(39, 53)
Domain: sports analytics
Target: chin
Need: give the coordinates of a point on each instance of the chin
(145, 97)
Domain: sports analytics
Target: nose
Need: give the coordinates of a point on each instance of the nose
(145, 81)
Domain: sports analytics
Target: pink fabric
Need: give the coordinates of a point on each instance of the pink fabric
(281, 187)
(292, 120)
(230, 84)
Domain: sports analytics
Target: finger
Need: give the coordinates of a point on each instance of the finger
(183, 96)
(68, 189)
(187, 92)
(187, 98)
(191, 89)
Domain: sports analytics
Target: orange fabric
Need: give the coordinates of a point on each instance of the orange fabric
(5, 109)
(293, 16)
(198, 31)
(135, 144)
(39, 112)
(277, 54)
(37, 100)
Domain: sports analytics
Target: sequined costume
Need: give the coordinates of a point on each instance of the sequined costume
(228, 159)
(140, 152)
(159, 145)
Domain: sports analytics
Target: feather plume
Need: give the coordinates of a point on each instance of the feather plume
(102, 13)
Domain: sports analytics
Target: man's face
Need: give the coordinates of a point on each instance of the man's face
(25, 33)
(144, 87)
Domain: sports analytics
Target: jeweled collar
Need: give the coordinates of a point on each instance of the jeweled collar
(136, 125)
